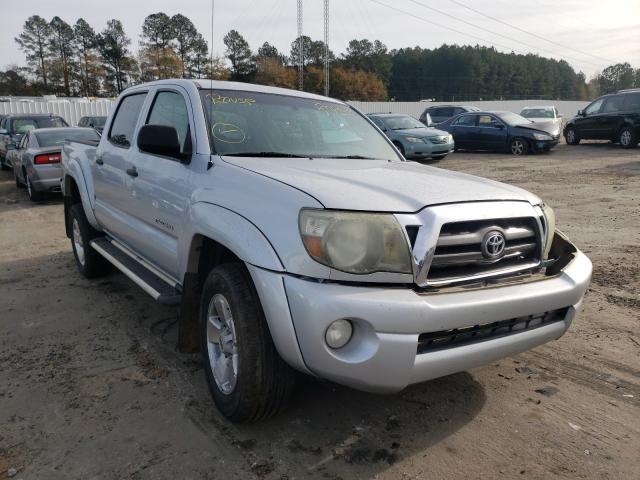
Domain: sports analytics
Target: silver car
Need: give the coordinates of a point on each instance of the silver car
(36, 159)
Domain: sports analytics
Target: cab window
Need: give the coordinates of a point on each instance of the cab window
(170, 109)
(466, 121)
(613, 104)
(632, 102)
(487, 121)
(124, 123)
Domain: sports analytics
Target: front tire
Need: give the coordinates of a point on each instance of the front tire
(571, 136)
(247, 378)
(90, 263)
(519, 146)
(627, 137)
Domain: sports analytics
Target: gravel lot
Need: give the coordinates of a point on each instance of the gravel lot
(91, 385)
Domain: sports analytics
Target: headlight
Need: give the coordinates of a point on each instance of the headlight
(550, 221)
(414, 139)
(542, 136)
(355, 242)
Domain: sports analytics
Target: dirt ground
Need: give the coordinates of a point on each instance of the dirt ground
(91, 386)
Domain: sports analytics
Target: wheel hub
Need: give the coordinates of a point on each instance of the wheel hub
(221, 344)
(77, 242)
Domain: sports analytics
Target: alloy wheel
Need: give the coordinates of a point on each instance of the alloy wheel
(77, 242)
(221, 344)
(517, 147)
(625, 138)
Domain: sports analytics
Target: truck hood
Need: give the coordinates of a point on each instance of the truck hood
(379, 185)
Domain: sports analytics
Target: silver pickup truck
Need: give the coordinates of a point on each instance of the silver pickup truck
(295, 237)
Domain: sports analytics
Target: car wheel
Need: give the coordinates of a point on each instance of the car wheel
(247, 378)
(571, 137)
(627, 137)
(90, 263)
(519, 146)
(400, 147)
(34, 195)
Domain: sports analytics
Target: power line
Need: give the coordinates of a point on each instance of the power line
(441, 12)
(528, 33)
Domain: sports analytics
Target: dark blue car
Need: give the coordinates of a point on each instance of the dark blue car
(500, 132)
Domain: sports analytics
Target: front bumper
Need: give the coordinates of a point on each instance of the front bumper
(544, 145)
(427, 150)
(382, 355)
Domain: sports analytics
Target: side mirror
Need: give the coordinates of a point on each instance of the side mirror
(160, 140)
(581, 113)
(500, 126)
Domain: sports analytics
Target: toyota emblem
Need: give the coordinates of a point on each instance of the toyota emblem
(493, 245)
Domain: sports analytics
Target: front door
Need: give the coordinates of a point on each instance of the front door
(160, 191)
(491, 133)
(587, 124)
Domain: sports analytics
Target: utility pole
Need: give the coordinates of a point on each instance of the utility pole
(326, 48)
(300, 49)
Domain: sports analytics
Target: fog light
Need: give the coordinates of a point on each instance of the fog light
(339, 333)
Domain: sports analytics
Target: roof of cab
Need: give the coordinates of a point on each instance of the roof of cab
(202, 84)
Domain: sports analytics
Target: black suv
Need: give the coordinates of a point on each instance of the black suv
(441, 113)
(614, 117)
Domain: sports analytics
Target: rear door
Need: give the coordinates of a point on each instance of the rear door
(463, 129)
(160, 191)
(113, 160)
(611, 116)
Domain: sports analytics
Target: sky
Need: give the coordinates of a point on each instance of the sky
(588, 34)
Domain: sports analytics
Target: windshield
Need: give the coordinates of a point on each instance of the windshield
(537, 113)
(55, 138)
(513, 119)
(402, 122)
(271, 125)
(24, 125)
(98, 121)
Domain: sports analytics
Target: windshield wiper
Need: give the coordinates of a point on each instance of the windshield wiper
(264, 154)
(354, 157)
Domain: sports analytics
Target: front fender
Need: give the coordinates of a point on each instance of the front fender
(85, 185)
(231, 230)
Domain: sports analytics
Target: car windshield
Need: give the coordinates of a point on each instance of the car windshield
(58, 137)
(537, 113)
(98, 121)
(271, 125)
(24, 125)
(402, 122)
(513, 119)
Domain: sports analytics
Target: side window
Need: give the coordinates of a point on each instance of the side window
(613, 104)
(379, 123)
(82, 122)
(594, 107)
(632, 102)
(124, 123)
(466, 121)
(169, 108)
(487, 121)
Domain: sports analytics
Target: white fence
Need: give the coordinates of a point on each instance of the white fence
(72, 111)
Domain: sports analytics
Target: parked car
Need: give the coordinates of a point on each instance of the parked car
(500, 131)
(442, 113)
(14, 126)
(96, 122)
(544, 116)
(294, 236)
(614, 117)
(412, 138)
(36, 160)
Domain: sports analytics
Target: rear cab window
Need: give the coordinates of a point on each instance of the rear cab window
(126, 118)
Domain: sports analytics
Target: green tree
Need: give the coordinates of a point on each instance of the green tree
(239, 54)
(156, 52)
(86, 45)
(267, 51)
(62, 46)
(186, 36)
(616, 77)
(34, 42)
(369, 56)
(113, 45)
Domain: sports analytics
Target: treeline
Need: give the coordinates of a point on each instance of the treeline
(75, 60)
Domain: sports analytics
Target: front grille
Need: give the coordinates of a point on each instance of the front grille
(458, 337)
(459, 254)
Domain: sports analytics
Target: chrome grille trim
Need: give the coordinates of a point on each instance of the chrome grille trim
(430, 220)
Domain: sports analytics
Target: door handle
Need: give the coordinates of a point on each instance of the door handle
(133, 172)
(99, 161)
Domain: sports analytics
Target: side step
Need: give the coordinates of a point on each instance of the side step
(151, 282)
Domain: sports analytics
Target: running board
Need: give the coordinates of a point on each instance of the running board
(151, 282)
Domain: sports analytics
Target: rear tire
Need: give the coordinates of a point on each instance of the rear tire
(627, 137)
(34, 195)
(571, 137)
(247, 378)
(519, 146)
(90, 263)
